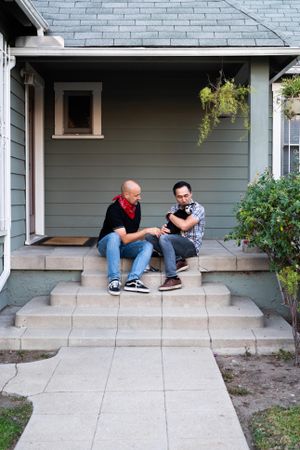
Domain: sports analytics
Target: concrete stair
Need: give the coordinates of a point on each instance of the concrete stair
(200, 314)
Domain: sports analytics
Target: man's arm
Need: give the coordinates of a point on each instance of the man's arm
(132, 237)
(184, 224)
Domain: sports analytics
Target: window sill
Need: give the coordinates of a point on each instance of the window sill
(78, 136)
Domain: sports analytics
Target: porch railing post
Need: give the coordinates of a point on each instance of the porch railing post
(259, 145)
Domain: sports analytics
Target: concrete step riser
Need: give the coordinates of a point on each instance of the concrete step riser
(43, 321)
(96, 262)
(146, 322)
(100, 300)
(152, 281)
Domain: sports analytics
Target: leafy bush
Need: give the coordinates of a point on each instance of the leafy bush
(269, 217)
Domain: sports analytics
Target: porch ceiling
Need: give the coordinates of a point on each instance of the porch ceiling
(74, 68)
(55, 67)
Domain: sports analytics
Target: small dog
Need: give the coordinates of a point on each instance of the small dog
(182, 214)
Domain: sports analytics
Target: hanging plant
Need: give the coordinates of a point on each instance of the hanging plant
(290, 91)
(226, 98)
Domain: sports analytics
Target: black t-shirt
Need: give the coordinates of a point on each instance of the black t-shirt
(117, 218)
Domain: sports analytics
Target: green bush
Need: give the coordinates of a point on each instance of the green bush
(268, 217)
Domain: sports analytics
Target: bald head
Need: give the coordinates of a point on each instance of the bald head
(131, 191)
(129, 185)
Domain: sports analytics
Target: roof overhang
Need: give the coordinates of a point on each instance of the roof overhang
(33, 15)
(144, 52)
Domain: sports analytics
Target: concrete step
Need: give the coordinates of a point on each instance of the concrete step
(73, 294)
(190, 278)
(276, 334)
(242, 313)
(93, 261)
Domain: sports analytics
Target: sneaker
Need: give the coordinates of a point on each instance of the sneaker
(114, 287)
(136, 286)
(181, 265)
(150, 269)
(170, 284)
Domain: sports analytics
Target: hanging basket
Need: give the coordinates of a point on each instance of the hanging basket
(292, 108)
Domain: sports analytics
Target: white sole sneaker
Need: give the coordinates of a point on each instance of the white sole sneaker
(178, 286)
(141, 291)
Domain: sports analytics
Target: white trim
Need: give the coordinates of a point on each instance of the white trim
(277, 130)
(78, 136)
(142, 51)
(31, 77)
(7, 64)
(60, 88)
(33, 15)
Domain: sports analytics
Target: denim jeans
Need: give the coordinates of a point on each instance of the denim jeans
(113, 248)
(172, 247)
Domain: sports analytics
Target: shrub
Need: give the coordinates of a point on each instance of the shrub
(268, 217)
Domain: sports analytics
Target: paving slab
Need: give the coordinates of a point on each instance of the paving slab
(148, 398)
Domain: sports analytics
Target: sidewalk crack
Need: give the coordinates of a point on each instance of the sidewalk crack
(165, 400)
(11, 378)
(104, 391)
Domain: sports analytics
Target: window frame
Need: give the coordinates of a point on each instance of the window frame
(96, 89)
(278, 132)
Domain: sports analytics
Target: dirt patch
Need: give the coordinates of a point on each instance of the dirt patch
(23, 356)
(259, 382)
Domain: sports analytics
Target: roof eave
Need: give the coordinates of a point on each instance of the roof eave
(33, 15)
(154, 51)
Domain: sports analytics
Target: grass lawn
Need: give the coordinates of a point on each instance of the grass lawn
(13, 419)
(277, 428)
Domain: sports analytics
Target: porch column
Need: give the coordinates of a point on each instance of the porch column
(259, 117)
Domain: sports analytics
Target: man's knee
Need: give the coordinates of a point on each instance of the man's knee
(147, 247)
(164, 238)
(114, 238)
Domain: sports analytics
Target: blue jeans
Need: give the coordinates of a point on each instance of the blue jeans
(113, 248)
(172, 247)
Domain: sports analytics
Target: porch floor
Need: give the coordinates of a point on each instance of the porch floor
(215, 255)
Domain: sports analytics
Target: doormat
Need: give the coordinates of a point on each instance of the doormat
(71, 241)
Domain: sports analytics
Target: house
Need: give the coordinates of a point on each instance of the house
(107, 90)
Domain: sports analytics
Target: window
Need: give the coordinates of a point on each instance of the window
(286, 139)
(78, 110)
(290, 147)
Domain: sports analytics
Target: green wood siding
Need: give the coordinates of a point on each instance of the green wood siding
(17, 159)
(1, 254)
(150, 125)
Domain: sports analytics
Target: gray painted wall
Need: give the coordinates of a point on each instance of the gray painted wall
(3, 293)
(17, 159)
(150, 127)
(17, 172)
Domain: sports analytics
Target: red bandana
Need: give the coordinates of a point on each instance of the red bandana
(126, 206)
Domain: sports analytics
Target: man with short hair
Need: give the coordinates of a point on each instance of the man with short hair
(176, 247)
(120, 238)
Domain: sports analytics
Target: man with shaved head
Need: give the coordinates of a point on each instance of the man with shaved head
(120, 237)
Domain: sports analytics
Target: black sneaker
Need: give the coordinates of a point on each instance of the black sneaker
(136, 286)
(114, 287)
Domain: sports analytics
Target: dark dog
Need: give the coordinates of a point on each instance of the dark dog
(182, 214)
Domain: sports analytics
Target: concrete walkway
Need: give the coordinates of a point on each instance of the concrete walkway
(125, 398)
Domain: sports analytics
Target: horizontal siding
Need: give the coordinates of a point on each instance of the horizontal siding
(1, 255)
(150, 127)
(17, 160)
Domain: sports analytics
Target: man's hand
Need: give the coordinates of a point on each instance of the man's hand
(154, 231)
(164, 229)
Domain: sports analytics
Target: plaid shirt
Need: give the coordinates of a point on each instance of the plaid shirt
(195, 234)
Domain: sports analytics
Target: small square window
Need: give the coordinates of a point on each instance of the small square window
(77, 110)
